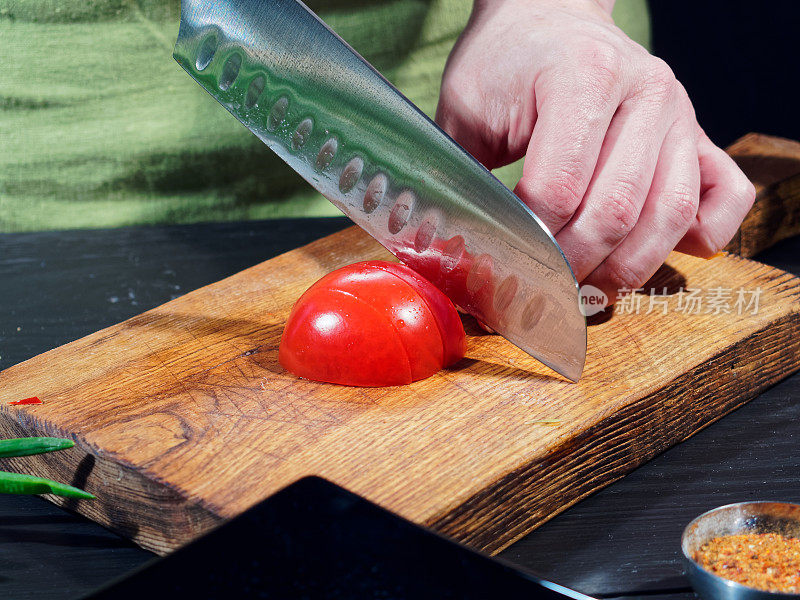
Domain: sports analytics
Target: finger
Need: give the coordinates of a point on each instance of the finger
(619, 187)
(574, 113)
(458, 119)
(668, 212)
(726, 196)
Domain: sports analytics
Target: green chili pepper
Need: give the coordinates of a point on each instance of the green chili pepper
(16, 483)
(32, 445)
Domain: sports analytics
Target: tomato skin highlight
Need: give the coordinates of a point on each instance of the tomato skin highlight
(405, 310)
(371, 324)
(321, 344)
(447, 320)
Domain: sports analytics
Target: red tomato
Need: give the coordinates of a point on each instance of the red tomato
(373, 323)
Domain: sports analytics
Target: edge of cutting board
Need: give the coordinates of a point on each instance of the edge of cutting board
(179, 521)
(614, 444)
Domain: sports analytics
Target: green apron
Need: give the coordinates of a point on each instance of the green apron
(99, 127)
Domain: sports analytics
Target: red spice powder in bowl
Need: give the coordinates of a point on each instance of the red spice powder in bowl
(765, 561)
(749, 550)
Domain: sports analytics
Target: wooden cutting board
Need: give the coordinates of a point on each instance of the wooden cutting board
(182, 416)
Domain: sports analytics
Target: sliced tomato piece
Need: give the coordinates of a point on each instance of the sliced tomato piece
(371, 324)
(335, 337)
(447, 320)
(404, 308)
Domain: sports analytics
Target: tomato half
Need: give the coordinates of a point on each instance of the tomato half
(372, 323)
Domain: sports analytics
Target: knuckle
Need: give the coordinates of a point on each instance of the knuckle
(661, 71)
(659, 81)
(620, 211)
(599, 67)
(622, 276)
(599, 55)
(683, 202)
(563, 192)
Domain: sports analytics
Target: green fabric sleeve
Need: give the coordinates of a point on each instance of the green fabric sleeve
(99, 127)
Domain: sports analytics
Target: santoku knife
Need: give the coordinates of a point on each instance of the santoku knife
(346, 130)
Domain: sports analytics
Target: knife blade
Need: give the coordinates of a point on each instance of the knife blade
(355, 138)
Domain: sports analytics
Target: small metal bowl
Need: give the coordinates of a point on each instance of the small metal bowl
(733, 519)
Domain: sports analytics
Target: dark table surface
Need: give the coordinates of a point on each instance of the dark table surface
(623, 541)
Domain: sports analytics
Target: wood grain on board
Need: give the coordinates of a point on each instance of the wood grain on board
(182, 416)
(773, 165)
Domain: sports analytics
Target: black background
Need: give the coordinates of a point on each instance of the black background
(739, 61)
